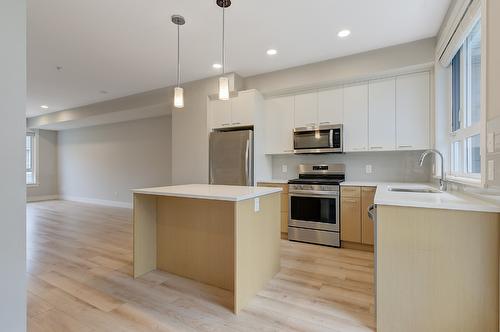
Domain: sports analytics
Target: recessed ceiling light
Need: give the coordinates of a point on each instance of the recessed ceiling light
(217, 66)
(272, 51)
(44, 107)
(344, 33)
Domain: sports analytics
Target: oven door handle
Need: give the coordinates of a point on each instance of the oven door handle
(321, 194)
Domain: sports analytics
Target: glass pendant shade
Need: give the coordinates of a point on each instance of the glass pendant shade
(179, 97)
(223, 88)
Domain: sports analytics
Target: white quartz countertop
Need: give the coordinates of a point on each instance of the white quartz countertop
(360, 184)
(209, 191)
(277, 181)
(445, 200)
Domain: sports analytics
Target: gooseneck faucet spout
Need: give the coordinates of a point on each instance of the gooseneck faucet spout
(442, 181)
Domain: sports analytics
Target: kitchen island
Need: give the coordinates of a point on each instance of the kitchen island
(223, 236)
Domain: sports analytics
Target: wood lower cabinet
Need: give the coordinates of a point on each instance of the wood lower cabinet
(350, 219)
(356, 227)
(284, 202)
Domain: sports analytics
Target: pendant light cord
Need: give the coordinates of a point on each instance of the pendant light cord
(223, 35)
(178, 56)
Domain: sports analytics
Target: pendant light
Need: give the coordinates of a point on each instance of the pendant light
(223, 80)
(178, 91)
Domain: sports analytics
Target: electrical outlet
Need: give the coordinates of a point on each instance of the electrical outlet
(256, 204)
(368, 169)
(491, 170)
(284, 168)
(491, 143)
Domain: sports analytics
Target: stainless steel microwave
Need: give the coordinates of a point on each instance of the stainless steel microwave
(322, 139)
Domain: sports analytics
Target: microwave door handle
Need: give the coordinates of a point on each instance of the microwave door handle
(331, 137)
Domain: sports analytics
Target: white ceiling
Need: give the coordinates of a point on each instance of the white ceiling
(129, 46)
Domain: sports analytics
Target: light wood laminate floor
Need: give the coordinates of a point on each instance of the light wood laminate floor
(80, 266)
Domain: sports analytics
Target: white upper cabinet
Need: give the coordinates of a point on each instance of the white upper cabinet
(412, 111)
(220, 113)
(235, 112)
(356, 118)
(331, 106)
(382, 115)
(306, 110)
(243, 109)
(279, 125)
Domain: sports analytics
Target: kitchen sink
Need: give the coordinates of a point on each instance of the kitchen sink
(415, 190)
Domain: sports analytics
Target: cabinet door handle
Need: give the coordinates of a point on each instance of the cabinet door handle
(376, 147)
(225, 124)
(236, 123)
(405, 146)
(324, 122)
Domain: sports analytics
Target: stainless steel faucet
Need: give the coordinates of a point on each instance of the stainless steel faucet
(442, 181)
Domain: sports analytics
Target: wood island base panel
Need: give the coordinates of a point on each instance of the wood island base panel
(226, 244)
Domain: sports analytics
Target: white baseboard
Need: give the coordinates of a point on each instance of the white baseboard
(41, 198)
(97, 201)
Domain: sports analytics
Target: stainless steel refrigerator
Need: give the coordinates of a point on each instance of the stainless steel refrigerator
(231, 158)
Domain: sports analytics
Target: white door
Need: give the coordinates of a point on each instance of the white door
(382, 115)
(279, 125)
(220, 113)
(306, 110)
(356, 118)
(243, 109)
(412, 111)
(331, 106)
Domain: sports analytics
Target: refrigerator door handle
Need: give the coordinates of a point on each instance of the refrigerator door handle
(247, 163)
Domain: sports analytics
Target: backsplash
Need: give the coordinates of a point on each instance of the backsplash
(394, 166)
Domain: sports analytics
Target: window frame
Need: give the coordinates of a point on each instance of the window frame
(34, 157)
(464, 132)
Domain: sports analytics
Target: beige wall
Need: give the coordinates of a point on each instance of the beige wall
(47, 183)
(346, 68)
(105, 162)
(12, 166)
(190, 134)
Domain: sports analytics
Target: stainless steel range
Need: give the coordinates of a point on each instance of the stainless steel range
(314, 214)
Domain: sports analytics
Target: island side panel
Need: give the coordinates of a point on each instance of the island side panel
(144, 234)
(258, 236)
(196, 239)
(437, 270)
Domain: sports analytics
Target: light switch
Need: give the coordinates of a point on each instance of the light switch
(368, 169)
(284, 168)
(491, 170)
(491, 142)
(256, 203)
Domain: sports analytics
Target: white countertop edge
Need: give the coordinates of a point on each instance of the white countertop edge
(235, 193)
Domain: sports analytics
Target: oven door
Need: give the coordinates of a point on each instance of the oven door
(327, 139)
(314, 211)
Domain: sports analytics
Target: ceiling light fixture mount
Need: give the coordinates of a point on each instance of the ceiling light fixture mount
(271, 51)
(44, 107)
(178, 91)
(223, 80)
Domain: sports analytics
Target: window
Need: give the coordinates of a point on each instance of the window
(465, 136)
(30, 158)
